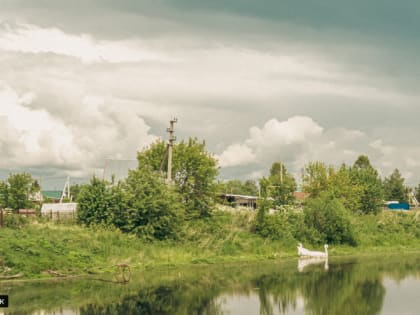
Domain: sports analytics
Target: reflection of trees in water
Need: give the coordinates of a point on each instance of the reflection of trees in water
(347, 288)
(177, 299)
(279, 289)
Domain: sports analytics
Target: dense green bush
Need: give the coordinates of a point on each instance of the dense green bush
(286, 224)
(94, 203)
(15, 221)
(142, 205)
(154, 209)
(328, 221)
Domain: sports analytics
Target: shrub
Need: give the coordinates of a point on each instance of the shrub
(286, 224)
(327, 220)
(15, 221)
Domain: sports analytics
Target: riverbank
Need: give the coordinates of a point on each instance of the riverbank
(47, 249)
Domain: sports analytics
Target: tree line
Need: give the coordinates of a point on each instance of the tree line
(148, 206)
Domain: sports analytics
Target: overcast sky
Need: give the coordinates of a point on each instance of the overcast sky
(260, 81)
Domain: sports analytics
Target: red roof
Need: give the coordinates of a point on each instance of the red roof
(300, 195)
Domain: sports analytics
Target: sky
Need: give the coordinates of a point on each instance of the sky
(296, 81)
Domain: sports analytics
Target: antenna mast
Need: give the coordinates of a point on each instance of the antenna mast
(66, 190)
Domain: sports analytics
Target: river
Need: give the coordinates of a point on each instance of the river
(344, 285)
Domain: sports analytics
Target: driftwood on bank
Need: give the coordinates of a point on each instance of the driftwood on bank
(18, 275)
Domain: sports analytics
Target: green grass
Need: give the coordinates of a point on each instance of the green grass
(35, 248)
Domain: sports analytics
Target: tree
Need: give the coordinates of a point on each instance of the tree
(394, 188)
(280, 185)
(75, 190)
(20, 188)
(235, 186)
(154, 210)
(362, 162)
(417, 192)
(328, 220)
(368, 182)
(341, 186)
(194, 169)
(94, 203)
(250, 188)
(315, 178)
(142, 204)
(4, 191)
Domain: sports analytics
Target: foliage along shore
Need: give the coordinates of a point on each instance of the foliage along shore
(45, 249)
(145, 221)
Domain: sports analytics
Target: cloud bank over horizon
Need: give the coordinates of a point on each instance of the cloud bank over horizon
(288, 80)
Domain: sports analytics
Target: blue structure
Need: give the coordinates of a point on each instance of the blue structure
(399, 206)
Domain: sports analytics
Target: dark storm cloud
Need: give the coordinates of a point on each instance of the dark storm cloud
(217, 65)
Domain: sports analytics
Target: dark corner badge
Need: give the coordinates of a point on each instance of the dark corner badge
(4, 301)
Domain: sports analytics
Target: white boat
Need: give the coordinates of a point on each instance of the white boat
(303, 252)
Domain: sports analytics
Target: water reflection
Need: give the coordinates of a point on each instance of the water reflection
(304, 262)
(350, 286)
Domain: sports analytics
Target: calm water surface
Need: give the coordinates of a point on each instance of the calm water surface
(373, 285)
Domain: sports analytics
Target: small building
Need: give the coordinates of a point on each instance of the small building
(239, 200)
(59, 210)
(398, 205)
(52, 195)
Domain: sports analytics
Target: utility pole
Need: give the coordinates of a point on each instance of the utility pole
(172, 139)
(281, 173)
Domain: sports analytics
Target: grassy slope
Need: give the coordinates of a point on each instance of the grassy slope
(38, 247)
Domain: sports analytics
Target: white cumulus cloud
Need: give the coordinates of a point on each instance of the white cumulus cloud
(34, 137)
(236, 154)
(296, 129)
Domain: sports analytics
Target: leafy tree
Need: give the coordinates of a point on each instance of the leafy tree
(394, 188)
(367, 180)
(194, 171)
(235, 186)
(94, 203)
(20, 187)
(155, 156)
(287, 226)
(142, 204)
(417, 192)
(262, 211)
(328, 221)
(250, 188)
(280, 185)
(4, 191)
(341, 186)
(315, 178)
(119, 207)
(154, 210)
(362, 162)
(74, 191)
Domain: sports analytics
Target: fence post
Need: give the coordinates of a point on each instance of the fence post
(1, 217)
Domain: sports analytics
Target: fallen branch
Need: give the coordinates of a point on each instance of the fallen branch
(18, 275)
